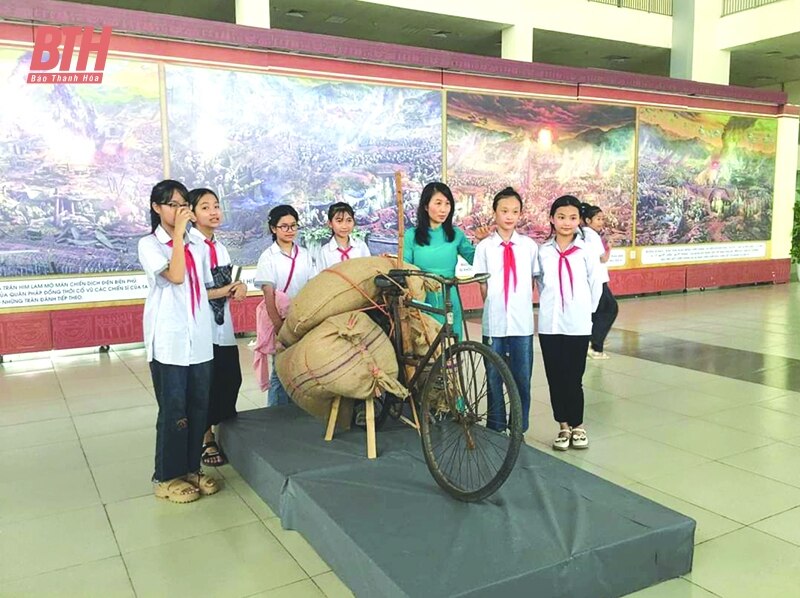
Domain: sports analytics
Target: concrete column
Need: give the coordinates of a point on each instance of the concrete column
(695, 54)
(517, 43)
(254, 13)
(786, 165)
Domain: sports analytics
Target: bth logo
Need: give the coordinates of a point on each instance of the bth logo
(48, 54)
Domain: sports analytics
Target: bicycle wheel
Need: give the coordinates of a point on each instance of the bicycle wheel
(470, 451)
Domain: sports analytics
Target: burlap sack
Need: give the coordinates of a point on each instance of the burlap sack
(347, 355)
(423, 330)
(344, 287)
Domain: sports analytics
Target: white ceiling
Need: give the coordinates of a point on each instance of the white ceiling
(767, 62)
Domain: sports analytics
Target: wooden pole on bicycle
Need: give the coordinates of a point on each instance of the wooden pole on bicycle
(405, 329)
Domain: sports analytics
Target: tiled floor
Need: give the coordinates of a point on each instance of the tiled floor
(77, 517)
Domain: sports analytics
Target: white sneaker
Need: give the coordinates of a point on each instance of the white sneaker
(561, 442)
(579, 438)
(597, 354)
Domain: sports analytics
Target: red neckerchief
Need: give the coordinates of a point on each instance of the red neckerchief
(509, 268)
(212, 249)
(191, 270)
(562, 260)
(345, 253)
(291, 271)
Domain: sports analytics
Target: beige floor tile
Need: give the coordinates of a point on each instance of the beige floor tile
(777, 461)
(39, 461)
(64, 360)
(148, 521)
(709, 525)
(299, 548)
(637, 458)
(733, 493)
(25, 366)
(37, 433)
(250, 497)
(591, 396)
(789, 403)
(123, 446)
(110, 384)
(109, 401)
(107, 577)
(629, 415)
(624, 386)
(785, 526)
(247, 560)
(38, 496)
(32, 411)
(16, 389)
(574, 457)
(332, 586)
(737, 391)
(93, 371)
(674, 588)
(705, 438)
(745, 564)
(300, 589)
(124, 479)
(54, 542)
(757, 420)
(684, 402)
(119, 420)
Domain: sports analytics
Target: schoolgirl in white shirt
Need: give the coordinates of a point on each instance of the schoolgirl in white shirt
(594, 222)
(342, 246)
(284, 267)
(512, 261)
(569, 291)
(178, 339)
(226, 378)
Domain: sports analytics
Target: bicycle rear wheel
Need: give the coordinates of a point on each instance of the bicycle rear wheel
(469, 449)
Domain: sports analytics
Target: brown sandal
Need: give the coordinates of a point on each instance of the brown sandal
(177, 490)
(204, 483)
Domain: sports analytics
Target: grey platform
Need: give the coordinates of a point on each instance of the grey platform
(388, 530)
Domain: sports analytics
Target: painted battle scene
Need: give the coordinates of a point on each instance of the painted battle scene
(544, 149)
(76, 166)
(704, 177)
(263, 140)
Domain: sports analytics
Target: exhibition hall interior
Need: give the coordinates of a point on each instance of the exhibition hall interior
(400, 298)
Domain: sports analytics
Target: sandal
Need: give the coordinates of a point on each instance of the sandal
(213, 455)
(561, 442)
(177, 490)
(579, 439)
(204, 483)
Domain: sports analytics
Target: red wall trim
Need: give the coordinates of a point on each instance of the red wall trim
(93, 327)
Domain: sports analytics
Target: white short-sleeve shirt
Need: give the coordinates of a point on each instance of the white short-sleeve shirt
(595, 242)
(222, 334)
(581, 294)
(172, 334)
(275, 267)
(516, 318)
(330, 254)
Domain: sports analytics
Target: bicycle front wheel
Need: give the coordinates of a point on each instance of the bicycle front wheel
(471, 430)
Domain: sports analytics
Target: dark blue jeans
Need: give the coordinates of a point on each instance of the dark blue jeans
(517, 351)
(276, 395)
(182, 395)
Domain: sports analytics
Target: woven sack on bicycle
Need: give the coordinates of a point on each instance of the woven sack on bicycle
(347, 355)
(344, 287)
(423, 330)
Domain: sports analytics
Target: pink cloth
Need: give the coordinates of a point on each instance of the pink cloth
(265, 337)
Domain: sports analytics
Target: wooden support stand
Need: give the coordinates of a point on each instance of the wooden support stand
(372, 450)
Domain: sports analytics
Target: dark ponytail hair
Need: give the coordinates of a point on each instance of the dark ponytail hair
(162, 194)
(563, 202)
(588, 211)
(196, 194)
(507, 192)
(421, 234)
(278, 212)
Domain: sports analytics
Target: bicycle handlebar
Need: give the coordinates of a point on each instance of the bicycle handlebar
(443, 280)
